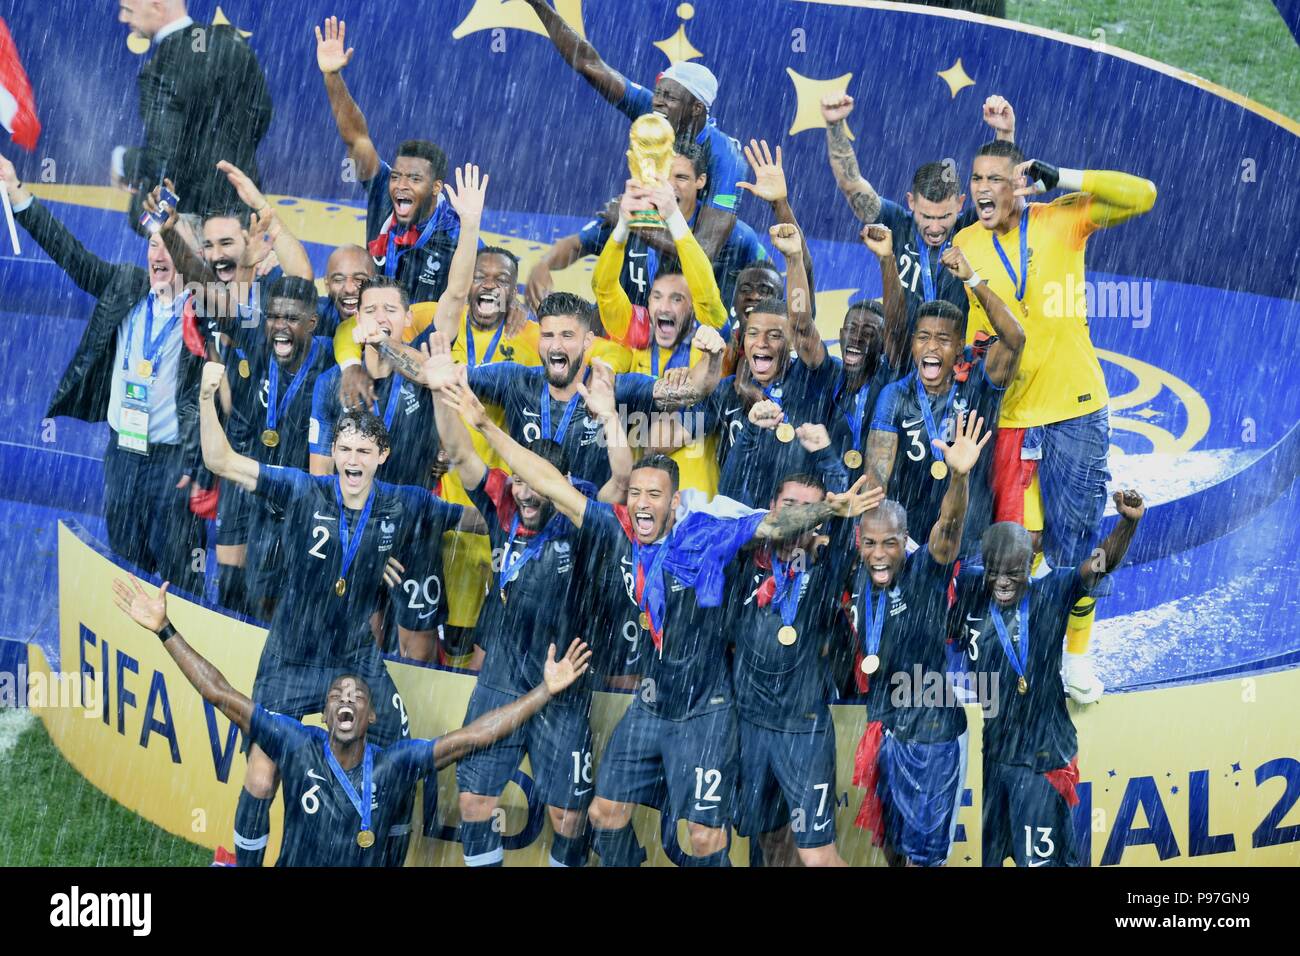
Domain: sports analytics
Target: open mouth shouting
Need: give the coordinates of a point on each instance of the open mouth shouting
(931, 369)
(644, 522)
(530, 511)
(282, 346)
(348, 305)
(224, 269)
(403, 207)
(353, 478)
(560, 369)
(852, 356)
(934, 236)
(345, 718)
(881, 573)
(986, 208)
(1004, 591)
(488, 304)
(763, 364)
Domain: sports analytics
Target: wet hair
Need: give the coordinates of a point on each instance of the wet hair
(241, 215)
(942, 309)
(874, 306)
(430, 152)
(805, 478)
(383, 282)
(296, 288)
(763, 265)
(566, 303)
(695, 153)
(1003, 539)
(664, 464)
(935, 181)
(1003, 150)
(552, 452)
(366, 424)
(888, 509)
(361, 682)
(503, 253)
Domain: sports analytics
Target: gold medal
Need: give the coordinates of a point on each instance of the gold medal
(270, 438)
(502, 592)
(870, 663)
(939, 471)
(853, 458)
(1022, 685)
(244, 371)
(340, 587)
(365, 839)
(787, 635)
(785, 432)
(1024, 309)
(644, 620)
(144, 368)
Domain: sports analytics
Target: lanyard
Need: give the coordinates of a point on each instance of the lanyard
(151, 346)
(510, 569)
(875, 620)
(788, 589)
(923, 399)
(275, 410)
(350, 541)
(1024, 255)
(1018, 662)
(855, 416)
(361, 801)
(390, 407)
(649, 591)
(923, 253)
(544, 404)
(390, 258)
(471, 347)
(681, 355)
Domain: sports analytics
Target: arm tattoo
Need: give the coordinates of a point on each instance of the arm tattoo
(882, 447)
(400, 359)
(793, 520)
(864, 202)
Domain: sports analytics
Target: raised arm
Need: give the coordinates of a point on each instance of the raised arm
(468, 199)
(1110, 555)
(880, 241)
(540, 474)
(793, 520)
(332, 55)
(1116, 197)
(1004, 355)
(611, 299)
(580, 54)
(220, 459)
(961, 456)
(598, 396)
(151, 614)
(502, 722)
(807, 340)
(770, 184)
(862, 198)
(288, 250)
(701, 380)
(882, 448)
(451, 430)
(563, 254)
(1001, 118)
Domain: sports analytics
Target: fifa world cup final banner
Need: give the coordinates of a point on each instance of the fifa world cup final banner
(1199, 774)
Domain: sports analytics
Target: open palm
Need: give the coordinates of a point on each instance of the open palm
(136, 603)
(560, 674)
(332, 54)
(966, 446)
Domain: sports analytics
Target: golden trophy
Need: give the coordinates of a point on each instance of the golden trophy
(649, 158)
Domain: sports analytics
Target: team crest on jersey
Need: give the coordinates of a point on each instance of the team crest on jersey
(411, 399)
(386, 531)
(431, 269)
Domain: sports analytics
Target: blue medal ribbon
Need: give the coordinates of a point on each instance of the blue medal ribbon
(1024, 255)
(681, 354)
(361, 801)
(875, 623)
(923, 399)
(350, 540)
(275, 411)
(923, 253)
(390, 407)
(150, 346)
(854, 417)
(470, 347)
(788, 590)
(510, 569)
(390, 256)
(651, 599)
(1018, 663)
(544, 405)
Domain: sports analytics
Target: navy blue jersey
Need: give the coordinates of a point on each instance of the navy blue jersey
(753, 459)
(688, 674)
(911, 254)
(909, 693)
(421, 268)
(320, 822)
(327, 317)
(519, 390)
(539, 605)
(782, 687)
(1031, 729)
(412, 432)
(249, 416)
(844, 411)
(898, 410)
(641, 261)
(312, 624)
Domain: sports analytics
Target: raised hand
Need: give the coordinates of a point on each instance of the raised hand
(663, 198)
(769, 175)
(785, 237)
(244, 187)
(540, 284)
(263, 231)
(878, 239)
(954, 260)
(153, 205)
(836, 107)
(131, 599)
(458, 396)
(516, 316)
(855, 501)
(999, 115)
(1034, 176)
(470, 193)
(558, 675)
(1129, 504)
(708, 340)
(812, 437)
(332, 55)
(599, 394)
(438, 369)
(966, 445)
(213, 373)
(356, 387)
(766, 414)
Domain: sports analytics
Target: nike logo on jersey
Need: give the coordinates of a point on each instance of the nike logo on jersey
(913, 424)
(578, 793)
(426, 614)
(702, 807)
(320, 517)
(315, 776)
(528, 414)
(1037, 862)
(821, 826)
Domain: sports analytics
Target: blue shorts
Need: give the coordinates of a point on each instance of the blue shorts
(234, 506)
(787, 778)
(1025, 818)
(420, 601)
(557, 741)
(920, 786)
(295, 690)
(685, 767)
(1072, 476)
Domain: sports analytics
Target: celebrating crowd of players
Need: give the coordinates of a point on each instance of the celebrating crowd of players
(677, 483)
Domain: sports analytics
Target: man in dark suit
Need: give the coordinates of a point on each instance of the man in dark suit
(137, 366)
(203, 99)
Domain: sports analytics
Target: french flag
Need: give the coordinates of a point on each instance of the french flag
(17, 103)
